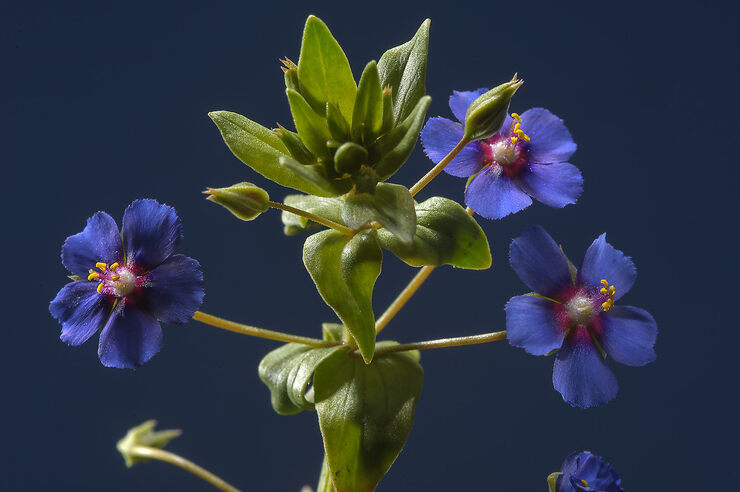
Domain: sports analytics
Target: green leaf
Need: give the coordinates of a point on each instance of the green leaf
(344, 270)
(327, 208)
(349, 158)
(367, 118)
(312, 127)
(323, 70)
(366, 412)
(317, 176)
(338, 126)
(395, 147)
(332, 331)
(445, 235)
(404, 68)
(287, 371)
(260, 149)
(391, 205)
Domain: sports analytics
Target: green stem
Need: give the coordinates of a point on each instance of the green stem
(328, 223)
(325, 484)
(187, 465)
(260, 332)
(439, 167)
(403, 297)
(444, 342)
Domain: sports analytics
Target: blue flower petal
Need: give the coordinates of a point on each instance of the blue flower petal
(100, 241)
(461, 100)
(440, 136)
(580, 374)
(493, 195)
(130, 338)
(174, 289)
(603, 262)
(628, 335)
(550, 139)
(532, 324)
(556, 185)
(540, 263)
(584, 466)
(81, 310)
(151, 231)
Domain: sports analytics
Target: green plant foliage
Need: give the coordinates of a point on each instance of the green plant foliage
(404, 68)
(327, 208)
(344, 270)
(288, 370)
(260, 149)
(244, 200)
(317, 175)
(324, 73)
(366, 412)
(445, 234)
(311, 126)
(368, 112)
(391, 206)
(394, 148)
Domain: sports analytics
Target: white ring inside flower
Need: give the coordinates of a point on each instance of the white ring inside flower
(504, 152)
(580, 309)
(125, 283)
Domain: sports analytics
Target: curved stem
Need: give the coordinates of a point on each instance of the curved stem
(444, 342)
(439, 167)
(225, 324)
(403, 297)
(187, 465)
(328, 223)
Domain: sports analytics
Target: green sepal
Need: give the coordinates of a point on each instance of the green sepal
(367, 118)
(487, 113)
(404, 68)
(316, 175)
(349, 158)
(391, 205)
(244, 200)
(344, 270)
(75, 277)
(312, 127)
(552, 481)
(395, 147)
(323, 70)
(260, 149)
(445, 235)
(143, 435)
(365, 412)
(387, 110)
(327, 208)
(295, 146)
(571, 267)
(338, 126)
(288, 370)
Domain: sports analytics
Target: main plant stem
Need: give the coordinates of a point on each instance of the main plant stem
(260, 332)
(444, 342)
(187, 465)
(439, 167)
(328, 223)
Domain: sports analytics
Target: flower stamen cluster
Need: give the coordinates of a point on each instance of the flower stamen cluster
(607, 290)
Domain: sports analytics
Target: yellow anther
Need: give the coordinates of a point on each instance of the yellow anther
(514, 139)
(100, 288)
(114, 266)
(115, 277)
(101, 265)
(517, 127)
(525, 137)
(93, 275)
(611, 290)
(605, 283)
(584, 483)
(515, 116)
(604, 291)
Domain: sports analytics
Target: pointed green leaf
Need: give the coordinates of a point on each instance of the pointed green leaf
(338, 126)
(367, 118)
(445, 235)
(404, 69)
(344, 270)
(317, 176)
(391, 205)
(327, 208)
(312, 127)
(349, 158)
(323, 70)
(260, 149)
(395, 147)
(287, 371)
(366, 412)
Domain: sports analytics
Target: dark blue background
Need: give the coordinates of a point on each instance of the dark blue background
(103, 104)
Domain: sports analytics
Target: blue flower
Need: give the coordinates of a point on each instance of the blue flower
(586, 472)
(130, 282)
(524, 160)
(573, 312)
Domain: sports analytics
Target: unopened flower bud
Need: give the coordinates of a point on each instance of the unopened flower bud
(144, 436)
(245, 200)
(487, 113)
